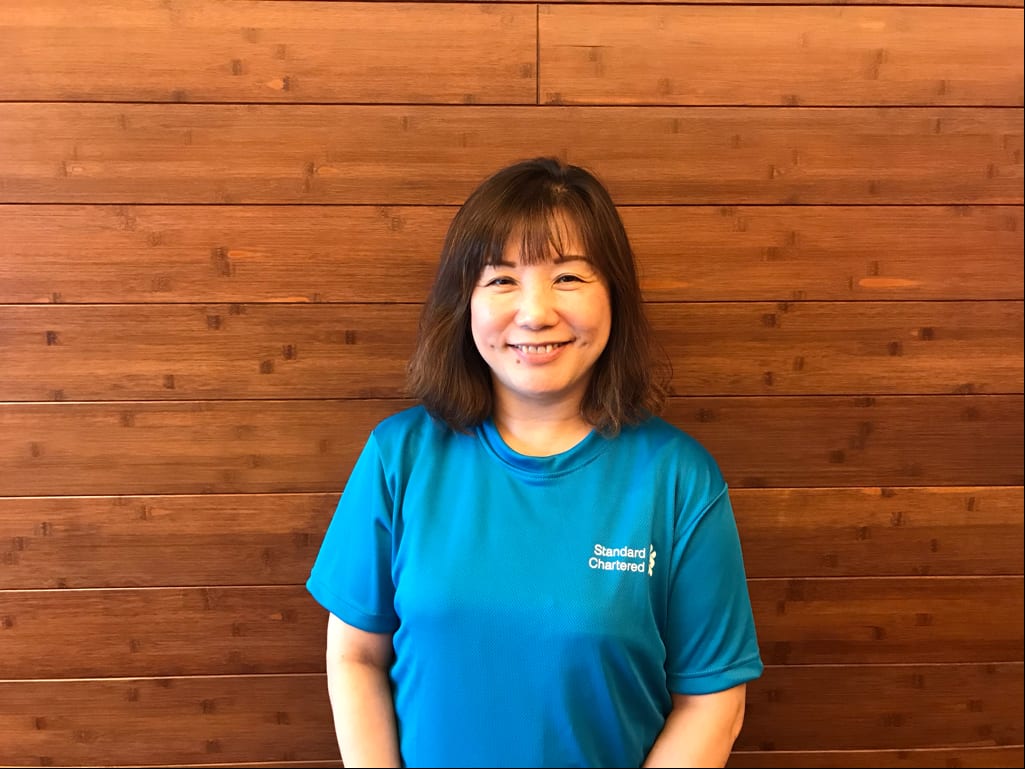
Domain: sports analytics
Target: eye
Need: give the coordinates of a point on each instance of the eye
(499, 280)
(569, 279)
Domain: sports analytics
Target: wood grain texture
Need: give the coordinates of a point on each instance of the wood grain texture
(285, 446)
(938, 758)
(182, 153)
(162, 632)
(970, 3)
(889, 620)
(267, 765)
(177, 352)
(827, 252)
(687, 55)
(187, 448)
(245, 51)
(280, 629)
(888, 707)
(168, 352)
(232, 719)
(205, 539)
(880, 532)
(220, 540)
(859, 441)
(109, 254)
(132, 722)
(70, 254)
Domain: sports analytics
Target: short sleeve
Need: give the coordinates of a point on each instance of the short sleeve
(711, 639)
(352, 576)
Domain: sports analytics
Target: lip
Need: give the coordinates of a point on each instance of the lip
(539, 353)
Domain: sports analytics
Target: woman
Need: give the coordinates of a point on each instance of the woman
(530, 568)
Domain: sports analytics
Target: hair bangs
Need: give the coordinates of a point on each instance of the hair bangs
(541, 232)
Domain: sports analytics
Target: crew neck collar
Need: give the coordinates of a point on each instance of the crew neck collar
(586, 450)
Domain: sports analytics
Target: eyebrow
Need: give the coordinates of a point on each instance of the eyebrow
(557, 260)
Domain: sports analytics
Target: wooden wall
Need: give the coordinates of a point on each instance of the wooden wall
(218, 217)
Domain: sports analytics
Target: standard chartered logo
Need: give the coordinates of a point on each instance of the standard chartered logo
(634, 559)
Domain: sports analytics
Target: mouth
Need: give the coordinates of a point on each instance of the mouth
(538, 349)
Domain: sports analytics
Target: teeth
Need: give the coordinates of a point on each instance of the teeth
(534, 349)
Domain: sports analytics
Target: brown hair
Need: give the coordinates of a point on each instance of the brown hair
(447, 374)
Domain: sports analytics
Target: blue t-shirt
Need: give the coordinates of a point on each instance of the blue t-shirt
(543, 608)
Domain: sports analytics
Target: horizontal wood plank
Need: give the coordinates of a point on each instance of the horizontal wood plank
(889, 620)
(85, 542)
(157, 352)
(231, 719)
(184, 448)
(827, 252)
(255, 764)
(162, 721)
(918, 757)
(128, 632)
(869, 707)
(101, 254)
(244, 51)
(280, 629)
(940, 758)
(171, 352)
(184, 153)
(108, 542)
(862, 441)
(284, 446)
(881, 531)
(987, 3)
(688, 55)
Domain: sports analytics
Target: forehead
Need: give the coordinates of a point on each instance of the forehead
(556, 238)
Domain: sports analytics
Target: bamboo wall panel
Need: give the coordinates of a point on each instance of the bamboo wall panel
(209, 351)
(809, 348)
(163, 632)
(828, 252)
(244, 51)
(971, 3)
(110, 542)
(76, 254)
(87, 542)
(170, 352)
(285, 446)
(851, 441)
(222, 253)
(691, 55)
(183, 448)
(441, 53)
(156, 722)
(889, 620)
(887, 706)
(181, 153)
(280, 629)
(231, 719)
(940, 758)
(880, 532)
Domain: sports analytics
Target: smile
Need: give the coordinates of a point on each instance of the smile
(536, 349)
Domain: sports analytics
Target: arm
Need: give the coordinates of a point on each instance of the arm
(700, 729)
(360, 692)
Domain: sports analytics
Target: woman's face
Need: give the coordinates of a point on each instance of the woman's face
(541, 327)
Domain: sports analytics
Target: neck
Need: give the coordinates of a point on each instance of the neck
(541, 432)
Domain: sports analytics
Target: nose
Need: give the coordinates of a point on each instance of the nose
(537, 305)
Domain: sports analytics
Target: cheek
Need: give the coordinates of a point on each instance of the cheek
(481, 321)
(484, 315)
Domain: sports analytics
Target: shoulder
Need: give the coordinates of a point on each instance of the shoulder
(411, 427)
(671, 443)
(402, 422)
(678, 460)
